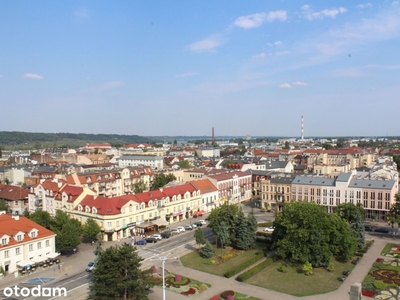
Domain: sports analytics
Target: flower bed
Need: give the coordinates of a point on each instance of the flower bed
(228, 295)
(391, 250)
(383, 280)
(184, 285)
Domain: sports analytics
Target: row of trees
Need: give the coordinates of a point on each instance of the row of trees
(232, 227)
(306, 233)
(69, 230)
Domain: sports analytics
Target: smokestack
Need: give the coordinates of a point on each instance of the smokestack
(302, 128)
(213, 134)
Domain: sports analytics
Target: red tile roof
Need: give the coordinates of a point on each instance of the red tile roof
(106, 206)
(12, 192)
(204, 185)
(10, 226)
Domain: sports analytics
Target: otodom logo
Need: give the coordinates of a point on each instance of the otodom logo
(36, 291)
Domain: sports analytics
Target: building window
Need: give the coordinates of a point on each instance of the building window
(19, 238)
(39, 245)
(16, 202)
(109, 224)
(33, 234)
(31, 247)
(47, 243)
(6, 254)
(17, 251)
(4, 242)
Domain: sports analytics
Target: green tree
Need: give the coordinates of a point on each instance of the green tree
(199, 237)
(161, 180)
(350, 212)
(227, 162)
(207, 251)
(91, 229)
(242, 231)
(175, 142)
(4, 206)
(227, 214)
(42, 218)
(118, 275)
(305, 232)
(394, 213)
(287, 145)
(68, 231)
(1, 152)
(185, 164)
(140, 186)
(99, 247)
(307, 268)
(359, 232)
(252, 228)
(222, 234)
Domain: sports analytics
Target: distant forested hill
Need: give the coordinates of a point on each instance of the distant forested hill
(44, 140)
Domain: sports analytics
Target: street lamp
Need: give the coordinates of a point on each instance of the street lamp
(163, 260)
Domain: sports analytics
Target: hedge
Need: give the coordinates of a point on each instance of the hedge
(254, 270)
(258, 255)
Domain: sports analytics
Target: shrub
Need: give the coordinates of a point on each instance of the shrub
(254, 270)
(331, 267)
(244, 265)
(282, 269)
(216, 297)
(307, 269)
(228, 293)
(178, 278)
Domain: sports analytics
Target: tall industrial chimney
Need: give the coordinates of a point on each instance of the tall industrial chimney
(213, 134)
(302, 128)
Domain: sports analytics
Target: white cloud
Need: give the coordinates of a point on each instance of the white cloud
(188, 74)
(33, 76)
(280, 53)
(260, 55)
(277, 43)
(81, 15)
(112, 84)
(285, 86)
(364, 5)
(299, 83)
(310, 15)
(256, 20)
(207, 44)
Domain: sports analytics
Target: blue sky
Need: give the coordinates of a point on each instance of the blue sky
(183, 67)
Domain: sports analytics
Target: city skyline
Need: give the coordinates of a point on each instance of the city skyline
(178, 69)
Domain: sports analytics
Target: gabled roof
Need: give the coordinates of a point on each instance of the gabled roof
(106, 206)
(11, 226)
(12, 192)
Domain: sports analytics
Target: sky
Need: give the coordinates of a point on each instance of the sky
(168, 68)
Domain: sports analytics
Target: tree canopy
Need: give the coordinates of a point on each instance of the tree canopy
(140, 186)
(91, 229)
(305, 232)
(4, 206)
(118, 275)
(68, 231)
(161, 180)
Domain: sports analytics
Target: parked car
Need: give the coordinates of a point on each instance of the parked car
(175, 231)
(141, 242)
(180, 228)
(151, 240)
(368, 228)
(269, 229)
(166, 234)
(193, 225)
(382, 230)
(202, 222)
(157, 236)
(91, 266)
(198, 224)
(188, 227)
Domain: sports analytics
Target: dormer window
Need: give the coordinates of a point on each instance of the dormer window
(80, 208)
(4, 241)
(94, 210)
(19, 237)
(87, 209)
(33, 234)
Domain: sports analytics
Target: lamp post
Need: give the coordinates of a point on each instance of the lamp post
(163, 260)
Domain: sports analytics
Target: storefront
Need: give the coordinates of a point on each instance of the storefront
(128, 230)
(146, 228)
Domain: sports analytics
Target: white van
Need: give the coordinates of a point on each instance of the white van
(202, 222)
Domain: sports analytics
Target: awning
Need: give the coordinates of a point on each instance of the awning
(39, 259)
(160, 222)
(201, 212)
(53, 255)
(146, 225)
(24, 263)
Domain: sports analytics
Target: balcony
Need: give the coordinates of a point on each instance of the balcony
(38, 203)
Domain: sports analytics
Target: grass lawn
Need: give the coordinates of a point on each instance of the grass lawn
(391, 250)
(193, 260)
(297, 284)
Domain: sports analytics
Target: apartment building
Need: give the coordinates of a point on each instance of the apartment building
(16, 198)
(154, 161)
(234, 187)
(376, 195)
(276, 190)
(209, 195)
(23, 242)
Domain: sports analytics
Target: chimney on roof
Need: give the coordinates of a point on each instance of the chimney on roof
(16, 218)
